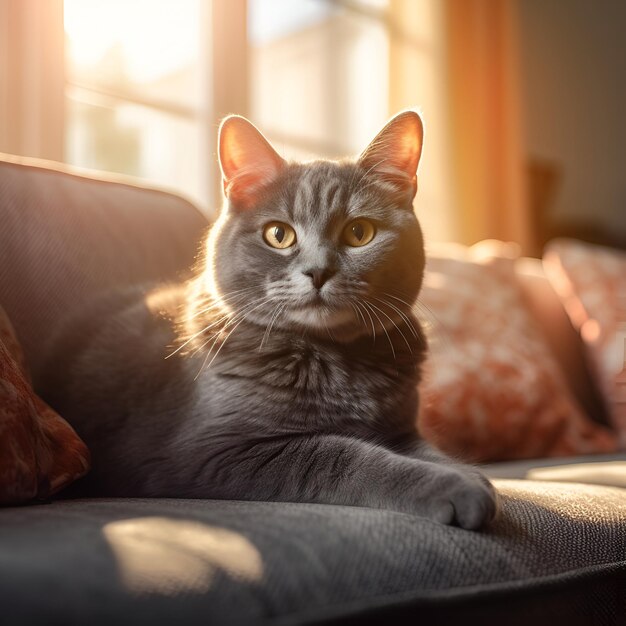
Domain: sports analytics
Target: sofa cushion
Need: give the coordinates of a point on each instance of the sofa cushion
(556, 547)
(591, 280)
(65, 238)
(491, 388)
(560, 336)
(39, 451)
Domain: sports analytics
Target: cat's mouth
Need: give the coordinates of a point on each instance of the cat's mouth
(315, 301)
(317, 312)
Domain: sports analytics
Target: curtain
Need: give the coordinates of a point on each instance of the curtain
(486, 121)
(32, 78)
(418, 78)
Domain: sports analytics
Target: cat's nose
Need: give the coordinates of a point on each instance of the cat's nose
(319, 275)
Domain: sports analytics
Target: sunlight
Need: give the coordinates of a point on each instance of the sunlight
(169, 556)
(611, 473)
(153, 43)
(591, 331)
(571, 500)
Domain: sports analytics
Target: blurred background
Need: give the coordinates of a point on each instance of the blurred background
(523, 100)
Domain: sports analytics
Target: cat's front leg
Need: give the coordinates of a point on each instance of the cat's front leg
(334, 469)
(480, 493)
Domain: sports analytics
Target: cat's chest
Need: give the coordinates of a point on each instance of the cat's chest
(290, 378)
(313, 366)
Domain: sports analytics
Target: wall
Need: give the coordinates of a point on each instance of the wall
(574, 98)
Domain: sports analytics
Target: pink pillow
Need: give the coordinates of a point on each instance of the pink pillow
(39, 452)
(492, 390)
(591, 281)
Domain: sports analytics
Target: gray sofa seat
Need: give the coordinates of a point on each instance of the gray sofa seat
(107, 561)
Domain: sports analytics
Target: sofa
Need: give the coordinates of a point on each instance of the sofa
(556, 554)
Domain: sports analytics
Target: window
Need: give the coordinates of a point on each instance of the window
(136, 93)
(326, 74)
(319, 73)
(144, 84)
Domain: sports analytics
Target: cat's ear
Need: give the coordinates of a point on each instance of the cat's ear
(394, 154)
(247, 160)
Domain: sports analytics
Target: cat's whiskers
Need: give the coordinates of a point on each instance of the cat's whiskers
(231, 319)
(197, 334)
(212, 307)
(245, 315)
(362, 304)
(203, 330)
(407, 304)
(406, 319)
(228, 299)
(370, 306)
(329, 331)
(408, 345)
(427, 312)
(280, 307)
(429, 321)
(358, 314)
(213, 339)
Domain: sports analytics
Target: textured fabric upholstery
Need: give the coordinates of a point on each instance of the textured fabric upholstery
(64, 238)
(210, 562)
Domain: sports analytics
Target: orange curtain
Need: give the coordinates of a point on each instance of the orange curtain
(486, 120)
(32, 78)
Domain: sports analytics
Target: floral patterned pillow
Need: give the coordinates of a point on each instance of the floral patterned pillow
(591, 281)
(39, 452)
(491, 389)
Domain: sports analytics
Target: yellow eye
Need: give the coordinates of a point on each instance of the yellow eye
(358, 233)
(279, 235)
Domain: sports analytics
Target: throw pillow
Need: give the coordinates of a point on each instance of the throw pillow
(492, 390)
(591, 281)
(39, 452)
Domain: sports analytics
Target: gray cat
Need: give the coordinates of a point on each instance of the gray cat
(288, 368)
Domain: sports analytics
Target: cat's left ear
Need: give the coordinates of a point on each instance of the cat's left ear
(247, 160)
(395, 152)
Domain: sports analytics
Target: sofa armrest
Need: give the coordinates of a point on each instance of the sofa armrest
(67, 237)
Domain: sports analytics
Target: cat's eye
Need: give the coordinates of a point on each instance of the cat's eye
(358, 233)
(279, 235)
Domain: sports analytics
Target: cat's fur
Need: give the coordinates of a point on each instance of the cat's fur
(274, 389)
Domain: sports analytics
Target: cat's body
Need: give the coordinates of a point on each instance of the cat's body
(288, 368)
(122, 390)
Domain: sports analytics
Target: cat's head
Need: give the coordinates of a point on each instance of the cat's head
(321, 245)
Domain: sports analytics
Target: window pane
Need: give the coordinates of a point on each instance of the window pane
(138, 45)
(108, 135)
(318, 73)
(137, 89)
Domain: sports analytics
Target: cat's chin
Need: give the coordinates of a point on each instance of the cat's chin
(321, 319)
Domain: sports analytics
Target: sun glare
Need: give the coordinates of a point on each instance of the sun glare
(153, 43)
(171, 556)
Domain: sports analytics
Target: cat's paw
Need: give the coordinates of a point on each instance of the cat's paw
(463, 497)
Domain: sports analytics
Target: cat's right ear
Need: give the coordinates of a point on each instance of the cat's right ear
(395, 152)
(247, 160)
